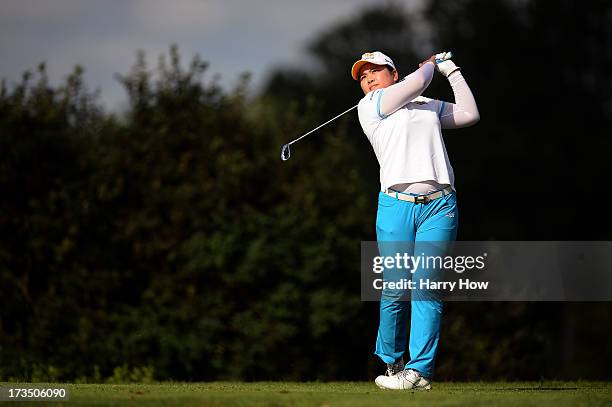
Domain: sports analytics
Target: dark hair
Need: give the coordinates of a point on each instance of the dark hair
(390, 68)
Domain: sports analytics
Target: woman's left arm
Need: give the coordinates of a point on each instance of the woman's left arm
(463, 112)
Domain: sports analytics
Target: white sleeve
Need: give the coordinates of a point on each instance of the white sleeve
(400, 93)
(464, 111)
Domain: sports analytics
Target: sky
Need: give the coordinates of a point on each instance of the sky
(103, 36)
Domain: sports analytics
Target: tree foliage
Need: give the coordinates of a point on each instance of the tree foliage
(174, 240)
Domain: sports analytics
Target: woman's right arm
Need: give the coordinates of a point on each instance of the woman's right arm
(397, 95)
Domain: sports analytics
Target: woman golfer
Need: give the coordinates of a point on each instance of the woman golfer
(417, 202)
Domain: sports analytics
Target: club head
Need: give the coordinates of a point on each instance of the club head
(285, 153)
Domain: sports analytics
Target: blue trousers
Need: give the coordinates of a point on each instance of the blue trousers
(402, 221)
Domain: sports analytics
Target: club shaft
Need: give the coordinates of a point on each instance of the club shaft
(327, 122)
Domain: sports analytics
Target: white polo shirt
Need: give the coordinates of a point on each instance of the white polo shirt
(408, 143)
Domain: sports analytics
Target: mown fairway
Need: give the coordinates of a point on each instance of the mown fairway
(351, 394)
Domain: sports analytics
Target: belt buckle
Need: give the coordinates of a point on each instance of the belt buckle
(421, 199)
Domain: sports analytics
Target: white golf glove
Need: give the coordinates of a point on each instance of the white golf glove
(444, 64)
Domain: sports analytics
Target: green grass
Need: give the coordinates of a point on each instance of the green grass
(353, 394)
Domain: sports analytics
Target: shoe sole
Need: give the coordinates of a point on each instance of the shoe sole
(380, 386)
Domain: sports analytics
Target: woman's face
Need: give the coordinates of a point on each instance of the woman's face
(372, 77)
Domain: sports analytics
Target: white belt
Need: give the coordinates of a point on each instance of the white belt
(419, 199)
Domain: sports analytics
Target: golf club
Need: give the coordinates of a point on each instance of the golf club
(286, 150)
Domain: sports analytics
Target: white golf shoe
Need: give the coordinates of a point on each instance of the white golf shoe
(405, 380)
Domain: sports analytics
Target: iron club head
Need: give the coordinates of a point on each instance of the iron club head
(285, 152)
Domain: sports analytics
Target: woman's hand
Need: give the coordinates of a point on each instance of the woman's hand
(430, 59)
